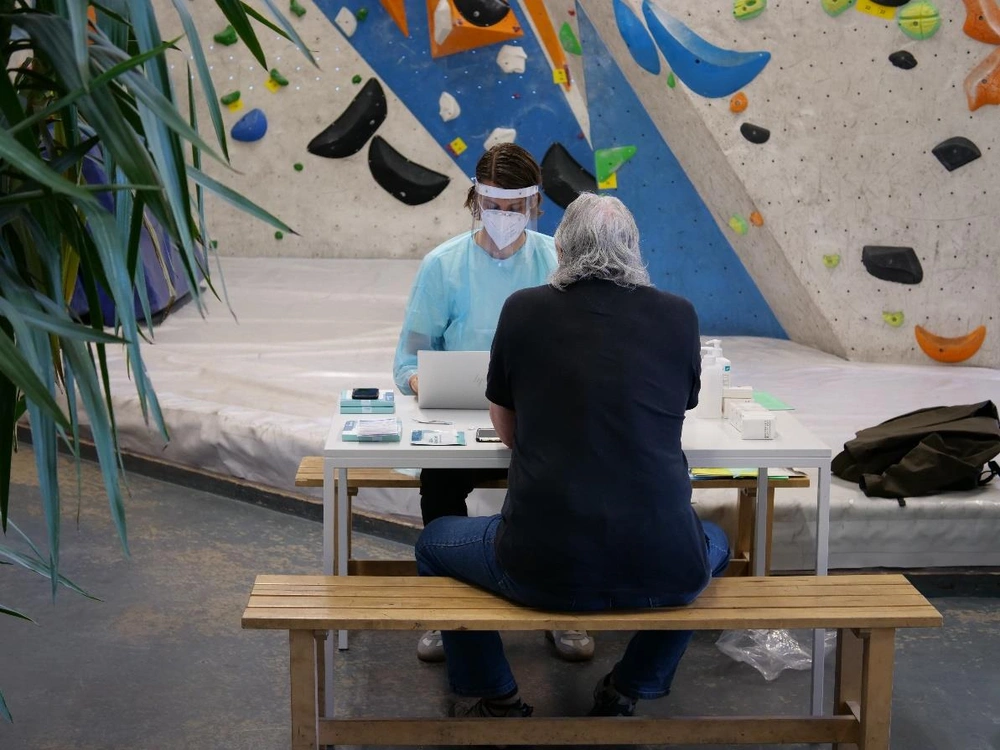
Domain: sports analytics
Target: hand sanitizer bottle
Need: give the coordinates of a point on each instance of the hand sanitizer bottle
(710, 395)
(727, 366)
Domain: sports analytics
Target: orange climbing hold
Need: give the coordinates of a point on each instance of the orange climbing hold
(739, 102)
(451, 32)
(397, 11)
(982, 85)
(982, 20)
(756, 219)
(953, 350)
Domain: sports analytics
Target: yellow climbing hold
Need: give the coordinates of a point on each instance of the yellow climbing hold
(609, 184)
(831, 261)
(876, 9)
(919, 19)
(738, 224)
(457, 146)
(895, 319)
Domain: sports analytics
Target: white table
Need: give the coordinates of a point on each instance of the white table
(707, 443)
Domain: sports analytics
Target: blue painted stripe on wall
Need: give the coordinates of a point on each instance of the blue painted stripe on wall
(530, 103)
(686, 251)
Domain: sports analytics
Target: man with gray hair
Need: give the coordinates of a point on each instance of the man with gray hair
(589, 380)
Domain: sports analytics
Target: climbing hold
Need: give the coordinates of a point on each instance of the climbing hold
(512, 59)
(346, 22)
(671, 80)
(899, 264)
(744, 10)
(448, 107)
(956, 152)
(251, 127)
(568, 40)
(355, 79)
(982, 85)
(297, 9)
(499, 135)
(215, 244)
(637, 39)
(227, 36)
(950, 350)
(458, 147)
(757, 219)
(397, 11)
(441, 21)
(706, 69)
(361, 14)
(903, 59)
(231, 98)
(919, 19)
(755, 133)
(279, 234)
(831, 261)
(836, 7)
(563, 178)
(483, 12)
(278, 78)
(405, 180)
(982, 20)
(349, 132)
(607, 161)
(738, 224)
(895, 319)
(739, 102)
(298, 166)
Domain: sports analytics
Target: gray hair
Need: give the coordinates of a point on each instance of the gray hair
(598, 239)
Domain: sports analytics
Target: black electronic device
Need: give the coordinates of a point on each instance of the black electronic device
(487, 435)
(365, 394)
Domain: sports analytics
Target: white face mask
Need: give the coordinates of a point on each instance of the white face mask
(503, 227)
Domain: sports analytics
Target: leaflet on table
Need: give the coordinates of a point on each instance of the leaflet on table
(742, 473)
(386, 401)
(372, 430)
(368, 409)
(437, 437)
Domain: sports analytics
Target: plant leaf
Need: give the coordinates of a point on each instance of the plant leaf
(8, 423)
(14, 613)
(78, 22)
(231, 196)
(290, 31)
(4, 710)
(237, 16)
(37, 566)
(16, 368)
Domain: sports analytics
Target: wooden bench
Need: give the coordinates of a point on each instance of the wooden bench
(310, 474)
(865, 610)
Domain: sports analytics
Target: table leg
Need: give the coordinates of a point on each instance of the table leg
(822, 568)
(329, 568)
(343, 537)
(760, 526)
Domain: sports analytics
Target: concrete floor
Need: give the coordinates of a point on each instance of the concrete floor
(162, 662)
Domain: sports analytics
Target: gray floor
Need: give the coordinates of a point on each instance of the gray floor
(162, 663)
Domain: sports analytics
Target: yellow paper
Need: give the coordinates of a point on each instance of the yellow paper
(272, 85)
(236, 106)
(609, 184)
(874, 9)
(458, 146)
(559, 76)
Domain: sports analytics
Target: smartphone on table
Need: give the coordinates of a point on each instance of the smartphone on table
(364, 394)
(487, 435)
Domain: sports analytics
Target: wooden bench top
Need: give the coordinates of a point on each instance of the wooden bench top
(406, 603)
(310, 474)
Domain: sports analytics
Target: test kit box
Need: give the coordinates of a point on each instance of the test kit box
(750, 419)
(384, 404)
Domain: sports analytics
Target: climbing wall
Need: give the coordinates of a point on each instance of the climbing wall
(855, 174)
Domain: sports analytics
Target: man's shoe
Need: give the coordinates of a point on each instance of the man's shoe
(572, 645)
(430, 647)
(609, 702)
(485, 708)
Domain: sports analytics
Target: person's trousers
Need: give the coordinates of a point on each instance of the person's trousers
(463, 548)
(443, 492)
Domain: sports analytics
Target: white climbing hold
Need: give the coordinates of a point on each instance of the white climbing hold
(448, 107)
(511, 59)
(346, 21)
(442, 21)
(500, 135)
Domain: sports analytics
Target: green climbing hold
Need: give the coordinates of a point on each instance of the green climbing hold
(361, 14)
(671, 80)
(836, 7)
(738, 224)
(568, 40)
(831, 261)
(744, 10)
(215, 244)
(278, 235)
(231, 98)
(919, 20)
(298, 166)
(607, 161)
(895, 319)
(356, 80)
(278, 78)
(297, 9)
(227, 36)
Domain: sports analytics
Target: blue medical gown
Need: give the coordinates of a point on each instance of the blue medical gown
(457, 296)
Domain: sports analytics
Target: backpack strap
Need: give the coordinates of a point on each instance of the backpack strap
(994, 471)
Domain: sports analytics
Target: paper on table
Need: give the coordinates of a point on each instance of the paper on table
(370, 427)
(437, 437)
(773, 403)
(741, 473)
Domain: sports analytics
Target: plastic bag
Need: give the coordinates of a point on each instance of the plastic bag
(771, 652)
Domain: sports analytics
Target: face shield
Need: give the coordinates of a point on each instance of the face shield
(502, 215)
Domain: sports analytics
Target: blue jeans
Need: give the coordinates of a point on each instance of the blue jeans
(463, 548)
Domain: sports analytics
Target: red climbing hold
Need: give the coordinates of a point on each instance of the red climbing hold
(982, 85)
(982, 20)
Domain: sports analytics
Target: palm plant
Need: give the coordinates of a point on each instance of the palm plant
(90, 83)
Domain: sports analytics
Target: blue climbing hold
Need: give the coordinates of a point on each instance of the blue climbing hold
(250, 127)
(637, 39)
(706, 69)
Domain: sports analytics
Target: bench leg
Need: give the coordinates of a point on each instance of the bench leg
(302, 671)
(847, 687)
(876, 689)
(321, 636)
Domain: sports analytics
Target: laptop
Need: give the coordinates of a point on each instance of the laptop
(452, 380)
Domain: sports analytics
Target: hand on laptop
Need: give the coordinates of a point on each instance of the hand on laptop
(413, 384)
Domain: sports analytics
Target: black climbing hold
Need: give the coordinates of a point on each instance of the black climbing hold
(563, 178)
(956, 152)
(891, 3)
(356, 124)
(407, 181)
(899, 264)
(755, 133)
(483, 12)
(903, 59)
